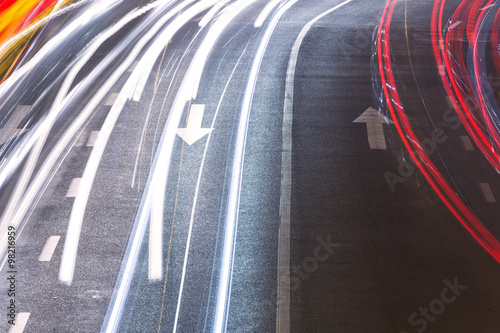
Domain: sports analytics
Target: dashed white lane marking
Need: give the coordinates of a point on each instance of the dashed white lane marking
(80, 141)
(134, 65)
(73, 188)
(10, 129)
(442, 70)
(92, 138)
(111, 99)
(454, 25)
(49, 248)
(487, 192)
(21, 320)
(450, 104)
(265, 13)
(467, 143)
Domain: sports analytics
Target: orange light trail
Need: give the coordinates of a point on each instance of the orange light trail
(16, 16)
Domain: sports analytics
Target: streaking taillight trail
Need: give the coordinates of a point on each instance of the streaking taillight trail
(410, 140)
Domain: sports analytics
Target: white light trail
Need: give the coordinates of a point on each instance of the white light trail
(36, 25)
(73, 234)
(15, 211)
(159, 171)
(265, 13)
(211, 13)
(93, 12)
(223, 294)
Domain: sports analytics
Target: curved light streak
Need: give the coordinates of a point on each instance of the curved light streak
(224, 285)
(54, 157)
(410, 140)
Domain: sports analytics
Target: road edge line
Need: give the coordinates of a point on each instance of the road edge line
(283, 323)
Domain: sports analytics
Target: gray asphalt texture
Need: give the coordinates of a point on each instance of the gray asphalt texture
(393, 257)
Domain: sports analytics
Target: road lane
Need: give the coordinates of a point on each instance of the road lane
(372, 246)
(392, 253)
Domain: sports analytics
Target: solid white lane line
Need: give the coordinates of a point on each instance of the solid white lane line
(230, 229)
(21, 321)
(190, 85)
(467, 143)
(92, 138)
(49, 248)
(111, 99)
(283, 293)
(73, 188)
(487, 192)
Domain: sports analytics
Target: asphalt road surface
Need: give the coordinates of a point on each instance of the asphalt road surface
(254, 166)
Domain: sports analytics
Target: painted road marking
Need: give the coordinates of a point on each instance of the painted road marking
(487, 192)
(467, 143)
(134, 65)
(80, 141)
(92, 138)
(73, 188)
(193, 131)
(162, 162)
(454, 25)
(374, 120)
(283, 324)
(49, 248)
(21, 320)
(442, 70)
(10, 130)
(228, 246)
(111, 99)
(450, 104)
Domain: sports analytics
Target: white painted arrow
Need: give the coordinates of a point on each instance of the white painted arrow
(374, 121)
(10, 130)
(193, 131)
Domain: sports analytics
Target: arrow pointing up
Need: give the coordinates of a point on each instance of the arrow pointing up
(193, 131)
(10, 130)
(374, 121)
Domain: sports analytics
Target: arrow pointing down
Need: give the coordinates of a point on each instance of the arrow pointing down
(10, 130)
(193, 131)
(374, 121)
